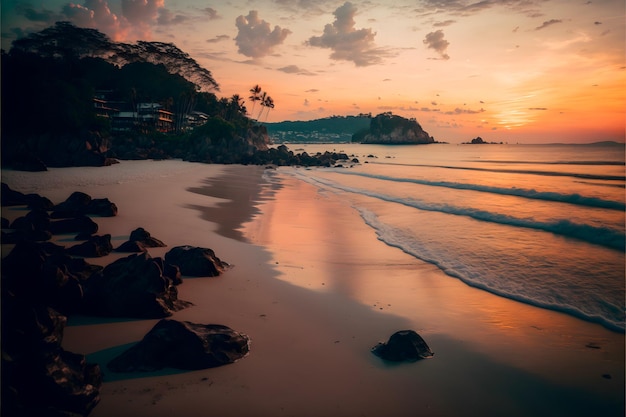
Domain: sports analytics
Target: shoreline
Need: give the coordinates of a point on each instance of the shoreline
(315, 289)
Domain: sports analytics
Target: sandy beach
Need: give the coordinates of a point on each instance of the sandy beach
(315, 290)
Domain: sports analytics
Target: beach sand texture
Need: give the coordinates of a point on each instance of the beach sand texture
(315, 290)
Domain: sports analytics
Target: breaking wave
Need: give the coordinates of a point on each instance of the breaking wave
(517, 171)
(592, 307)
(576, 199)
(603, 236)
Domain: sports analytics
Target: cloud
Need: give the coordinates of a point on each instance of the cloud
(312, 90)
(435, 40)
(141, 12)
(444, 23)
(218, 38)
(255, 38)
(95, 14)
(471, 7)
(211, 13)
(548, 23)
(464, 111)
(294, 69)
(347, 42)
(306, 102)
(33, 15)
(538, 108)
(166, 17)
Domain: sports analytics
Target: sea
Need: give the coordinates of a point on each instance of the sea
(540, 224)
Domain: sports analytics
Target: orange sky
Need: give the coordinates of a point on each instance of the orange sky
(525, 71)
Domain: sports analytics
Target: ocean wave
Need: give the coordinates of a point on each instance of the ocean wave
(603, 236)
(599, 311)
(516, 171)
(576, 199)
(508, 162)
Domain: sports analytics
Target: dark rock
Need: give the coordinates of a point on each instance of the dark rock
(183, 345)
(96, 246)
(74, 206)
(171, 271)
(39, 378)
(83, 236)
(26, 235)
(101, 207)
(33, 226)
(37, 202)
(132, 287)
(40, 219)
(143, 236)
(44, 274)
(10, 197)
(404, 345)
(29, 163)
(196, 261)
(5, 223)
(131, 246)
(82, 224)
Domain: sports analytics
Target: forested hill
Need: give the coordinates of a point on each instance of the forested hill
(64, 40)
(329, 129)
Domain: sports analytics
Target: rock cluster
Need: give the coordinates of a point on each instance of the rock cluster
(43, 283)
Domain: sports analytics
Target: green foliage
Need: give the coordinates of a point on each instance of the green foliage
(334, 124)
(44, 95)
(216, 128)
(49, 80)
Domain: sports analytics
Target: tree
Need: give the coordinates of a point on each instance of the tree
(269, 104)
(262, 102)
(255, 96)
(236, 107)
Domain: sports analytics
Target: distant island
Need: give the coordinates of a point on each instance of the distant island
(480, 141)
(333, 129)
(385, 128)
(390, 129)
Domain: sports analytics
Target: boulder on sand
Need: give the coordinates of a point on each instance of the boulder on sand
(183, 345)
(404, 345)
(134, 286)
(195, 261)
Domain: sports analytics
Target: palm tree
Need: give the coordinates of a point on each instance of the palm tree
(236, 106)
(262, 101)
(256, 96)
(269, 103)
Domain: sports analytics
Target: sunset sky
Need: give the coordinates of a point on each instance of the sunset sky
(507, 70)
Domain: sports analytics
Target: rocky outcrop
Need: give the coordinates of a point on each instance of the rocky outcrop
(43, 274)
(81, 204)
(389, 129)
(183, 345)
(94, 247)
(135, 286)
(38, 152)
(195, 261)
(10, 197)
(404, 345)
(39, 378)
(139, 240)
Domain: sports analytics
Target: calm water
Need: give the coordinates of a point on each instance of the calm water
(542, 224)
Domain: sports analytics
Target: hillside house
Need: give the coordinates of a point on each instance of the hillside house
(146, 117)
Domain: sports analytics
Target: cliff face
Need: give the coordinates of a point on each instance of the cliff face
(389, 129)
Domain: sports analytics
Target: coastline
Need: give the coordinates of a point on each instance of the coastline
(315, 289)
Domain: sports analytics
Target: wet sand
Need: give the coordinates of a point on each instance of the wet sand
(315, 289)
